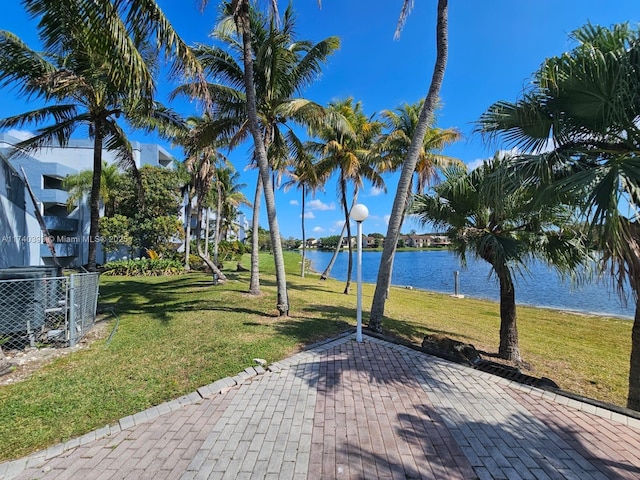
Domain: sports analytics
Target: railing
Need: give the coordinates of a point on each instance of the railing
(61, 224)
(48, 310)
(62, 249)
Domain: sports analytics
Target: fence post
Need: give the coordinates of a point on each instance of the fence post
(96, 276)
(72, 310)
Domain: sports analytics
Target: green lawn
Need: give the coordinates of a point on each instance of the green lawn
(178, 333)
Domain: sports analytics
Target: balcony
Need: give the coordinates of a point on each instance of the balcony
(60, 224)
(52, 196)
(61, 249)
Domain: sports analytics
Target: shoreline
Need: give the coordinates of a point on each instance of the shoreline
(587, 313)
(528, 305)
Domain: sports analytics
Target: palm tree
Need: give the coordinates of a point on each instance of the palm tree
(274, 69)
(85, 73)
(79, 186)
(201, 164)
(401, 124)
(227, 197)
(305, 175)
(351, 154)
(583, 105)
(409, 166)
(506, 230)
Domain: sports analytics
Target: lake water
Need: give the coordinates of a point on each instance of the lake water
(434, 270)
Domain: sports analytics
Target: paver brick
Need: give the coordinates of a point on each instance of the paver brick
(354, 410)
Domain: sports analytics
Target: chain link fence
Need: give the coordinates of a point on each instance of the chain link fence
(39, 307)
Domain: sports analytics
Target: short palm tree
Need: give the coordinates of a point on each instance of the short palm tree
(227, 197)
(507, 230)
(98, 66)
(201, 164)
(351, 154)
(79, 186)
(583, 107)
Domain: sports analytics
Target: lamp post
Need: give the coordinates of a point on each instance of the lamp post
(359, 213)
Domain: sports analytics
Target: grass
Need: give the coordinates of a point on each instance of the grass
(178, 333)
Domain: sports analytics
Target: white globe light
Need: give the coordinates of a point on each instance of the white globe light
(359, 212)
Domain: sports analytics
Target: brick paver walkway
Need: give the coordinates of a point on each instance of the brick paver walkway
(354, 411)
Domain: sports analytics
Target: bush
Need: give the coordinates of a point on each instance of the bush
(144, 267)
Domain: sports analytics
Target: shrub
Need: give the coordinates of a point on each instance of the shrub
(144, 267)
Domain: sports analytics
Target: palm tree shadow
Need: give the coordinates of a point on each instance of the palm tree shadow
(438, 434)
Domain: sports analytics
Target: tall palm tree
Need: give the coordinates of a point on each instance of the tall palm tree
(583, 105)
(507, 230)
(280, 67)
(352, 155)
(409, 166)
(99, 65)
(305, 175)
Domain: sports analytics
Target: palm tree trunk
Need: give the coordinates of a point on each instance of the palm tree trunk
(404, 215)
(187, 233)
(336, 250)
(205, 258)
(345, 207)
(206, 232)
(633, 398)
(94, 199)
(242, 22)
(509, 348)
(304, 239)
(254, 282)
(216, 238)
(408, 169)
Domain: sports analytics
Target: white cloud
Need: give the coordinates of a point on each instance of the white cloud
(336, 227)
(319, 205)
(293, 202)
(20, 134)
(318, 229)
(309, 215)
(475, 164)
(375, 191)
(386, 219)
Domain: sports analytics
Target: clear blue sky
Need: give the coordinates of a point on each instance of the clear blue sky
(494, 47)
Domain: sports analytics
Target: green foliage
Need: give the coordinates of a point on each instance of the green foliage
(144, 267)
(230, 251)
(264, 239)
(152, 213)
(115, 232)
(330, 242)
(160, 193)
(290, 243)
(162, 234)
